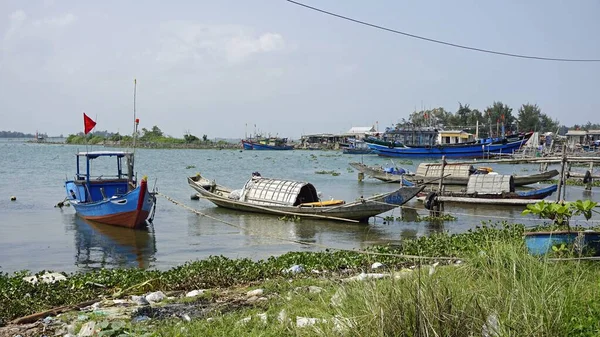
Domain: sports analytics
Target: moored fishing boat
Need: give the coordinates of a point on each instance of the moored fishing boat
(479, 148)
(270, 143)
(492, 189)
(287, 197)
(459, 174)
(116, 198)
(110, 199)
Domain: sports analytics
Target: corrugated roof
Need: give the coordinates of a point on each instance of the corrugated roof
(277, 192)
(490, 184)
(361, 129)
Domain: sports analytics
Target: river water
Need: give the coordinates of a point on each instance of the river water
(34, 235)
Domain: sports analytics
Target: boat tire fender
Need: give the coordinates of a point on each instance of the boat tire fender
(588, 177)
(430, 200)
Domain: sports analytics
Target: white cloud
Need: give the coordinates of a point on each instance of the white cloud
(58, 21)
(190, 42)
(16, 21)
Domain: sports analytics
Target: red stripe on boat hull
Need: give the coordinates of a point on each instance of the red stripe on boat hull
(133, 219)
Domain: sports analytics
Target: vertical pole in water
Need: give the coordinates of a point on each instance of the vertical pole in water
(562, 174)
(438, 205)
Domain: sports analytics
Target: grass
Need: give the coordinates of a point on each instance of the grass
(503, 290)
(499, 282)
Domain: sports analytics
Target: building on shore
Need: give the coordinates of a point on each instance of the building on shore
(335, 141)
(581, 139)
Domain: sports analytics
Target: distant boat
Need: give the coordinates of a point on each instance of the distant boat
(357, 147)
(295, 198)
(114, 199)
(477, 148)
(270, 143)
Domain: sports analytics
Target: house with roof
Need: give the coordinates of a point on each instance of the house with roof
(576, 138)
(360, 132)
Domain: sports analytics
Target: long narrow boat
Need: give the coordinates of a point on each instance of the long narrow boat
(459, 174)
(428, 173)
(286, 197)
(114, 199)
(490, 189)
(468, 150)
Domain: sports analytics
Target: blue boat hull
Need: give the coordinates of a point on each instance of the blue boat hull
(454, 151)
(257, 146)
(541, 243)
(128, 210)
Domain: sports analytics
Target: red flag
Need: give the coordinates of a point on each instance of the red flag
(88, 124)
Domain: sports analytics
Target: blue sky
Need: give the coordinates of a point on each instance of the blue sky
(213, 67)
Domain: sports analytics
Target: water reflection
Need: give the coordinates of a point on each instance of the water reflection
(101, 246)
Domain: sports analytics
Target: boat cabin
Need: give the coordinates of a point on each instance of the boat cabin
(454, 137)
(89, 186)
(276, 192)
(490, 184)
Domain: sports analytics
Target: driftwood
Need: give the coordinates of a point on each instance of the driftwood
(52, 312)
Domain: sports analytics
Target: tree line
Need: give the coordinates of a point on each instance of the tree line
(529, 117)
(154, 135)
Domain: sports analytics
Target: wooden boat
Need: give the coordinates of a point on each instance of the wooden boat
(110, 199)
(286, 197)
(478, 148)
(271, 143)
(459, 174)
(490, 189)
(389, 175)
(357, 147)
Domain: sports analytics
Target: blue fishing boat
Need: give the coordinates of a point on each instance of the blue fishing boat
(114, 199)
(479, 148)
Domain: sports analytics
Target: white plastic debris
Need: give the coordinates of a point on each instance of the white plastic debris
(139, 300)
(432, 268)
(87, 330)
(295, 269)
(156, 296)
(244, 320)
(366, 276)
(46, 278)
(314, 289)
(255, 292)
(338, 297)
(195, 293)
(377, 265)
(302, 322)
(282, 317)
(262, 317)
(186, 317)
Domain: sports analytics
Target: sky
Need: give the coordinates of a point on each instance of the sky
(228, 68)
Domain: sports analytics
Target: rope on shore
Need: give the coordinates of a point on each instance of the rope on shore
(360, 251)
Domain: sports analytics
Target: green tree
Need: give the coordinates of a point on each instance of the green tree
(531, 118)
(205, 138)
(498, 114)
(190, 138)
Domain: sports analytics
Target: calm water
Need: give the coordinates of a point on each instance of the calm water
(36, 236)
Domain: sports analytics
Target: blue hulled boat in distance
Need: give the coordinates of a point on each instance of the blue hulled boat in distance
(114, 199)
(478, 148)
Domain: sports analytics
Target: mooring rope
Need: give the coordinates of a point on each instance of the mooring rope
(360, 251)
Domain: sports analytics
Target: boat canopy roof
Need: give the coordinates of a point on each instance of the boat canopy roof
(96, 154)
(433, 170)
(490, 184)
(277, 192)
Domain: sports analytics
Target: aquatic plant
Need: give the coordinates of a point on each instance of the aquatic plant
(333, 173)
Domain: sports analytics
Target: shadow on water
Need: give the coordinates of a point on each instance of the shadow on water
(100, 246)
